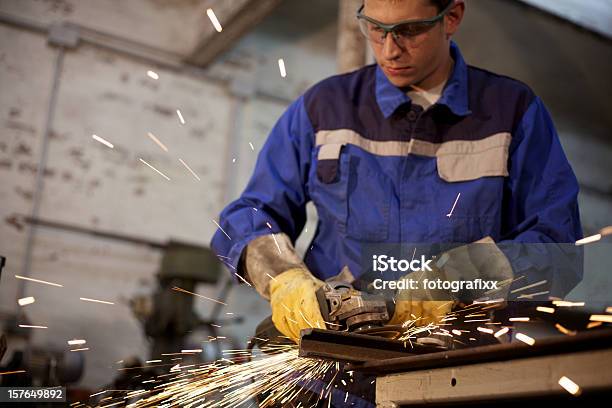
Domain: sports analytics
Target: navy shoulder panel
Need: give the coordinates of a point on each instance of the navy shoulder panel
(504, 98)
(333, 103)
(348, 101)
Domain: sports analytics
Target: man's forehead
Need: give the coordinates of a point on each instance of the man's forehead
(393, 11)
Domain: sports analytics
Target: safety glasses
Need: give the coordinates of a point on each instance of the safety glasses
(404, 32)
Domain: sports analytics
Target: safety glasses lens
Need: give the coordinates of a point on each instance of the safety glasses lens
(410, 30)
(372, 31)
(403, 32)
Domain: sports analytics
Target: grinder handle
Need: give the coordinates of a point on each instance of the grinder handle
(323, 304)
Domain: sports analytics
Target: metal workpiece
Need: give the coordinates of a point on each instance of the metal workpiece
(357, 348)
(585, 341)
(503, 383)
(501, 375)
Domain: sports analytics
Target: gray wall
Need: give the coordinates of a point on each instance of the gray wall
(102, 91)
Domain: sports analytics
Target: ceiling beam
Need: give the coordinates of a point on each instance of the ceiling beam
(237, 17)
(592, 15)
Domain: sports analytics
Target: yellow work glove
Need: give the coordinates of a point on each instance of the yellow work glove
(481, 259)
(294, 302)
(425, 311)
(419, 304)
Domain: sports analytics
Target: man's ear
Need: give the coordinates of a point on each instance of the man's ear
(453, 19)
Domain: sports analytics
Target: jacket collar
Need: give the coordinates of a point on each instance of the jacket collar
(454, 95)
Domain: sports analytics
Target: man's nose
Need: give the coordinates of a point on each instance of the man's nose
(391, 50)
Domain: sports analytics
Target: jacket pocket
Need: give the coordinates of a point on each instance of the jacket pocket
(471, 160)
(369, 197)
(470, 192)
(351, 191)
(329, 185)
(328, 160)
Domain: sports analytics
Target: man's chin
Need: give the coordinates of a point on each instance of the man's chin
(402, 82)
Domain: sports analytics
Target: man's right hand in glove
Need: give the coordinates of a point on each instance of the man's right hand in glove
(481, 259)
(271, 264)
(294, 302)
(418, 305)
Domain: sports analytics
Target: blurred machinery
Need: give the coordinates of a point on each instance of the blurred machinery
(168, 316)
(2, 335)
(42, 367)
(169, 319)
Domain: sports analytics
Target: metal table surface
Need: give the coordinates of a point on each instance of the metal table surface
(497, 373)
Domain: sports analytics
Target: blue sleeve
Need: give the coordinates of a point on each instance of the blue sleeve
(540, 210)
(277, 192)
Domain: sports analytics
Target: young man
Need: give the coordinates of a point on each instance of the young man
(417, 148)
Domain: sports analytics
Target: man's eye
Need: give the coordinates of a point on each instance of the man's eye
(410, 30)
(376, 29)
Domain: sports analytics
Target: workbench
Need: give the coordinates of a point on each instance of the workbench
(500, 374)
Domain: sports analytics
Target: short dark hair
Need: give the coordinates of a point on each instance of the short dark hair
(441, 4)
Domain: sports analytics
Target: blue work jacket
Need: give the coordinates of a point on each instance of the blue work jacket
(485, 160)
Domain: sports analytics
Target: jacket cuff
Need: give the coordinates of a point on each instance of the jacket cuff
(266, 257)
